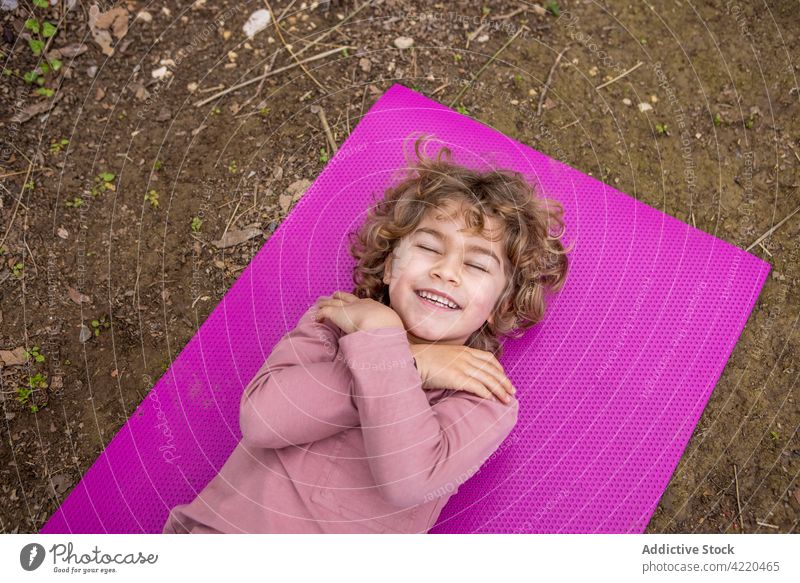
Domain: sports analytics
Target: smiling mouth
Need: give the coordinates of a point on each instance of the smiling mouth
(436, 305)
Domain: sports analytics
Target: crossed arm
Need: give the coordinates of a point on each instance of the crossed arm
(316, 383)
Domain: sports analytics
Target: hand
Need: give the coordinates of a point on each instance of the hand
(449, 366)
(351, 313)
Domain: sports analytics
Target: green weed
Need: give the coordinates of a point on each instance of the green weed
(57, 145)
(100, 324)
(74, 203)
(152, 198)
(197, 222)
(323, 155)
(34, 353)
(103, 182)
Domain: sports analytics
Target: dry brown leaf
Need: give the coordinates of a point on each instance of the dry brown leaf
(78, 297)
(13, 357)
(104, 24)
(35, 109)
(232, 238)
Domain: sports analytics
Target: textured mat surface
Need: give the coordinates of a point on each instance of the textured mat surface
(611, 383)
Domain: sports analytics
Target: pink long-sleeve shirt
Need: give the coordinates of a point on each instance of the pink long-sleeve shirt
(338, 436)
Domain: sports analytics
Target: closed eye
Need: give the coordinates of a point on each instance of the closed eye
(427, 248)
(469, 264)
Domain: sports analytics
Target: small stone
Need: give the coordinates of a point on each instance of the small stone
(144, 16)
(483, 38)
(593, 72)
(91, 71)
(258, 21)
(698, 135)
(645, 107)
(653, 99)
(627, 101)
(160, 73)
(63, 233)
(403, 42)
(85, 333)
(192, 87)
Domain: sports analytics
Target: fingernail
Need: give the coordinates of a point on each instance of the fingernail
(506, 398)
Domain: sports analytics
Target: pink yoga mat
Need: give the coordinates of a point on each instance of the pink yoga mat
(611, 383)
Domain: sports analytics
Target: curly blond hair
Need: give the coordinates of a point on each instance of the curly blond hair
(537, 258)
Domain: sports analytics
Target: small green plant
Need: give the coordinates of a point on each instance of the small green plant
(323, 155)
(103, 182)
(215, 110)
(264, 111)
(158, 165)
(29, 185)
(152, 198)
(17, 269)
(552, 7)
(774, 435)
(232, 167)
(57, 145)
(486, 10)
(661, 128)
(197, 222)
(457, 57)
(750, 123)
(34, 353)
(37, 381)
(517, 79)
(345, 52)
(100, 324)
(41, 32)
(717, 119)
(74, 203)
(461, 109)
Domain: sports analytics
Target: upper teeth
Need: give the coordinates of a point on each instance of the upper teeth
(438, 299)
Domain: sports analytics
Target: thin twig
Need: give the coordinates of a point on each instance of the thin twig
(270, 74)
(510, 14)
(550, 80)
(286, 45)
(471, 36)
(17, 202)
(324, 121)
(36, 267)
(767, 524)
(439, 88)
(570, 124)
(772, 230)
(230, 220)
(330, 30)
(621, 75)
(738, 502)
(489, 62)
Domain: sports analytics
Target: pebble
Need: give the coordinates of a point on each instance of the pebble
(627, 101)
(91, 71)
(257, 22)
(403, 42)
(645, 107)
(144, 15)
(85, 333)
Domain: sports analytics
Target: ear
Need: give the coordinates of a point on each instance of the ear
(387, 268)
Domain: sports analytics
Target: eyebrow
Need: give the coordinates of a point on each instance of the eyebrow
(443, 237)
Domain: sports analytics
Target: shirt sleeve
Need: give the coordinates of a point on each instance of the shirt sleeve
(417, 451)
(303, 392)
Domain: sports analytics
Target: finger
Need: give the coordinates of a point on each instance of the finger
(491, 383)
(493, 367)
(343, 295)
(471, 385)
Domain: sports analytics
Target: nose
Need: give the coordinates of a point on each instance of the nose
(447, 268)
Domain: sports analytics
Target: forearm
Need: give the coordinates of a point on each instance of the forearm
(298, 404)
(414, 449)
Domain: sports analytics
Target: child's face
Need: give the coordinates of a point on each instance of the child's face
(472, 279)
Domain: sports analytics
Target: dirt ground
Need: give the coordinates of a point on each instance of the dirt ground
(117, 190)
